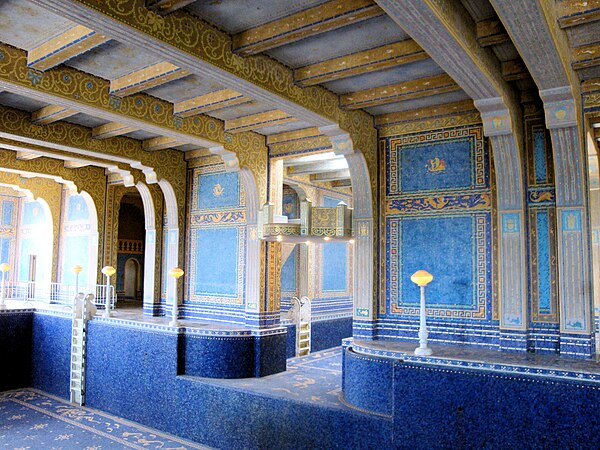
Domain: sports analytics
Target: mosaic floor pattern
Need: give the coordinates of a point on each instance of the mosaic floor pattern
(30, 419)
(316, 378)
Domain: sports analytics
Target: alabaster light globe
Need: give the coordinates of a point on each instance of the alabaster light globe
(4, 267)
(421, 277)
(77, 269)
(109, 271)
(176, 272)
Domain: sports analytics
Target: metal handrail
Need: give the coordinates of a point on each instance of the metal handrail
(56, 293)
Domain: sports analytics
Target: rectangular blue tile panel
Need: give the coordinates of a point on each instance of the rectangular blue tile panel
(33, 213)
(539, 155)
(75, 251)
(334, 267)
(28, 246)
(217, 267)
(290, 204)
(8, 207)
(330, 202)
(443, 247)
(543, 256)
(5, 249)
(77, 209)
(443, 165)
(288, 272)
(218, 190)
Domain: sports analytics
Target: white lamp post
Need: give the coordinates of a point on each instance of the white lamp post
(422, 279)
(4, 267)
(176, 273)
(109, 271)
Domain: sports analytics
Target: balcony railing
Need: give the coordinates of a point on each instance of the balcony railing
(56, 293)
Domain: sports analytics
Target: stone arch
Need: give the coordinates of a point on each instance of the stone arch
(253, 245)
(172, 235)
(149, 246)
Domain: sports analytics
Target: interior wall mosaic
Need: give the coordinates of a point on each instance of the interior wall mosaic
(543, 265)
(437, 216)
(216, 244)
(10, 206)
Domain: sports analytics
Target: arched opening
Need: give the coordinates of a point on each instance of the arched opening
(131, 282)
(131, 237)
(34, 260)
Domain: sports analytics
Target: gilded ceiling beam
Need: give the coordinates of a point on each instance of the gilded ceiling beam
(167, 6)
(257, 121)
(491, 32)
(380, 58)
(341, 184)
(51, 113)
(310, 22)
(209, 102)
(160, 143)
(589, 86)
(430, 112)
(408, 90)
(295, 135)
(586, 56)
(71, 43)
(577, 12)
(111, 129)
(146, 78)
(331, 176)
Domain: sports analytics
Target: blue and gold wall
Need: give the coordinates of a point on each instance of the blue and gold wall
(436, 215)
(76, 242)
(541, 207)
(216, 245)
(9, 208)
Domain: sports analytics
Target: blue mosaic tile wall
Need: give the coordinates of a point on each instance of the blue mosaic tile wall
(8, 230)
(133, 374)
(51, 338)
(122, 258)
(437, 216)
(324, 334)
(541, 205)
(15, 349)
(216, 246)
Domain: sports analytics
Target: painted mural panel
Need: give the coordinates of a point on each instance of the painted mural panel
(33, 214)
(5, 247)
(75, 250)
(77, 209)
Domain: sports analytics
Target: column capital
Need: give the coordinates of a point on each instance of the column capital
(495, 115)
(560, 107)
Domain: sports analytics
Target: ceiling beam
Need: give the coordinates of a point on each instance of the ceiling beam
(577, 12)
(202, 131)
(380, 58)
(26, 156)
(257, 121)
(50, 114)
(586, 56)
(295, 135)
(209, 102)
(514, 70)
(111, 129)
(160, 143)
(341, 184)
(491, 32)
(318, 167)
(408, 90)
(167, 6)
(331, 176)
(310, 22)
(71, 43)
(75, 164)
(426, 113)
(146, 78)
